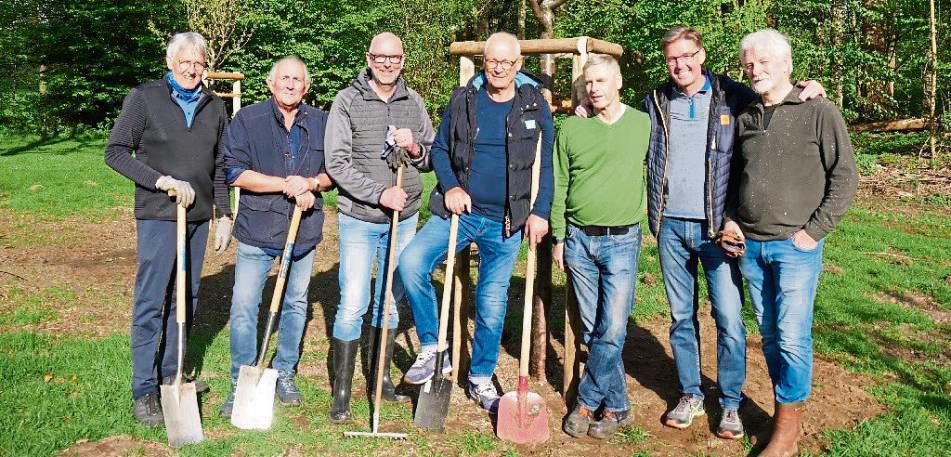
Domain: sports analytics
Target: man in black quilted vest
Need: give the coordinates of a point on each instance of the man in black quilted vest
(376, 108)
(483, 157)
(173, 126)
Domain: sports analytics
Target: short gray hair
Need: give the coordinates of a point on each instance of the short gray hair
(602, 59)
(772, 41)
(503, 36)
(295, 59)
(191, 40)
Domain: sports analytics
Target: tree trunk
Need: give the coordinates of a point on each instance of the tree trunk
(932, 89)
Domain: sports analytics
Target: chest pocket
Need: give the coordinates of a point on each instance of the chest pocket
(726, 129)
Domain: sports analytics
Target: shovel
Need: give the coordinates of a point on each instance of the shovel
(433, 404)
(523, 415)
(180, 400)
(254, 394)
(381, 352)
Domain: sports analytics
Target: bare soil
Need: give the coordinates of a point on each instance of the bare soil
(97, 265)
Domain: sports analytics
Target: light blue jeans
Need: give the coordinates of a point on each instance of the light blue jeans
(361, 245)
(250, 273)
(603, 272)
(496, 260)
(782, 279)
(681, 245)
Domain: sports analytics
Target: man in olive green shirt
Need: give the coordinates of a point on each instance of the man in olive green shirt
(595, 219)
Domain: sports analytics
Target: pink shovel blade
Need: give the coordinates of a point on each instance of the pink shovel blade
(523, 418)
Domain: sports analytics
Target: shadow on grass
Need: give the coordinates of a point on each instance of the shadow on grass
(77, 142)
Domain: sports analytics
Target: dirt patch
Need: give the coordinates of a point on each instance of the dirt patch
(920, 302)
(117, 446)
(98, 266)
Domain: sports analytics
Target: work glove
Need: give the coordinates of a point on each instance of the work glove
(394, 155)
(223, 234)
(184, 194)
(732, 243)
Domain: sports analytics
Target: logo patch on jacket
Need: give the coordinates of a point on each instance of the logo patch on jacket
(724, 119)
(530, 124)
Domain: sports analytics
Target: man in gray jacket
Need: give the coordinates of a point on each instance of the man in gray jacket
(377, 108)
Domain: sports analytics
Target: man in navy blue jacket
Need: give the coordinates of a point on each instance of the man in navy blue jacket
(483, 156)
(274, 151)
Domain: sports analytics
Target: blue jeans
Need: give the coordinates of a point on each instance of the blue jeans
(681, 245)
(250, 273)
(361, 245)
(155, 292)
(782, 279)
(603, 272)
(496, 260)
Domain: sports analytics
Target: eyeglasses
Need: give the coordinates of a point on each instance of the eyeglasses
(396, 60)
(685, 58)
(505, 65)
(186, 64)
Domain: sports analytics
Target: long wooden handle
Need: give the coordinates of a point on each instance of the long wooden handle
(530, 272)
(286, 260)
(387, 302)
(447, 283)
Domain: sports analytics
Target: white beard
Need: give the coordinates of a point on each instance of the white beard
(763, 86)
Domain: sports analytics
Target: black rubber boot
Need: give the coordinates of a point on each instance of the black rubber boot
(344, 360)
(389, 390)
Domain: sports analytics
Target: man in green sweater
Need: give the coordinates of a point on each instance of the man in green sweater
(793, 179)
(596, 213)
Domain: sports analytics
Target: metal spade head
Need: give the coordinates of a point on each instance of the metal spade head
(254, 398)
(182, 419)
(523, 418)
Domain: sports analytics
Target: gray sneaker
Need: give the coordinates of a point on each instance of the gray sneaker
(610, 423)
(227, 406)
(731, 427)
(485, 396)
(425, 366)
(287, 391)
(687, 409)
(578, 422)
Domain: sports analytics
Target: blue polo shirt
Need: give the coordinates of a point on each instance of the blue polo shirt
(686, 159)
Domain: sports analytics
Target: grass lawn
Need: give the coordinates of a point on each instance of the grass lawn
(883, 310)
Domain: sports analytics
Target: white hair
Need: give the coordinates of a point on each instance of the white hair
(770, 40)
(602, 59)
(505, 36)
(191, 40)
(273, 73)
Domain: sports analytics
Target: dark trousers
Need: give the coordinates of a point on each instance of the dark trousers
(155, 293)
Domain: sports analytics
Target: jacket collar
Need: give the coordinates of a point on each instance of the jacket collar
(362, 84)
(299, 120)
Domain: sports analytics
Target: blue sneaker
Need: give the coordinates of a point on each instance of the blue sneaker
(485, 396)
(425, 366)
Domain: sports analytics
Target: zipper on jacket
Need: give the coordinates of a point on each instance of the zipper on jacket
(663, 177)
(711, 231)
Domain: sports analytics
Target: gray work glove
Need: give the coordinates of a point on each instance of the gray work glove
(184, 194)
(394, 155)
(223, 234)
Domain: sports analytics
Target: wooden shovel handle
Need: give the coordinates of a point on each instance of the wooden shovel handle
(447, 283)
(180, 269)
(530, 272)
(286, 260)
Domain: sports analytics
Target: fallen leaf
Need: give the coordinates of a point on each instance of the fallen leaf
(47, 378)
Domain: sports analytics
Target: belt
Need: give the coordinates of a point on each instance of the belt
(598, 230)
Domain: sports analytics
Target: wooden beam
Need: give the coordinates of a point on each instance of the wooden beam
(224, 75)
(891, 126)
(228, 94)
(551, 46)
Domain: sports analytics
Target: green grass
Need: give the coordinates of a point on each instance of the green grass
(883, 262)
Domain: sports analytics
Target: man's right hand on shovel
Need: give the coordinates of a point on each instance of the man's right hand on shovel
(394, 198)
(458, 201)
(184, 194)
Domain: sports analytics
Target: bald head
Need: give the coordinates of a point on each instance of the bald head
(385, 59)
(386, 41)
(502, 42)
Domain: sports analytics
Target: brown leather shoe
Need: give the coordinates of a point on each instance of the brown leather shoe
(785, 439)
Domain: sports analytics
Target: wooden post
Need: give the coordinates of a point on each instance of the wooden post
(236, 101)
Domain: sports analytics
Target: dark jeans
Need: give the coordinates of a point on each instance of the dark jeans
(155, 292)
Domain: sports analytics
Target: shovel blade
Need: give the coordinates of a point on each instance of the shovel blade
(254, 398)
(523, 420)
(433, 404)
(182, 419)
